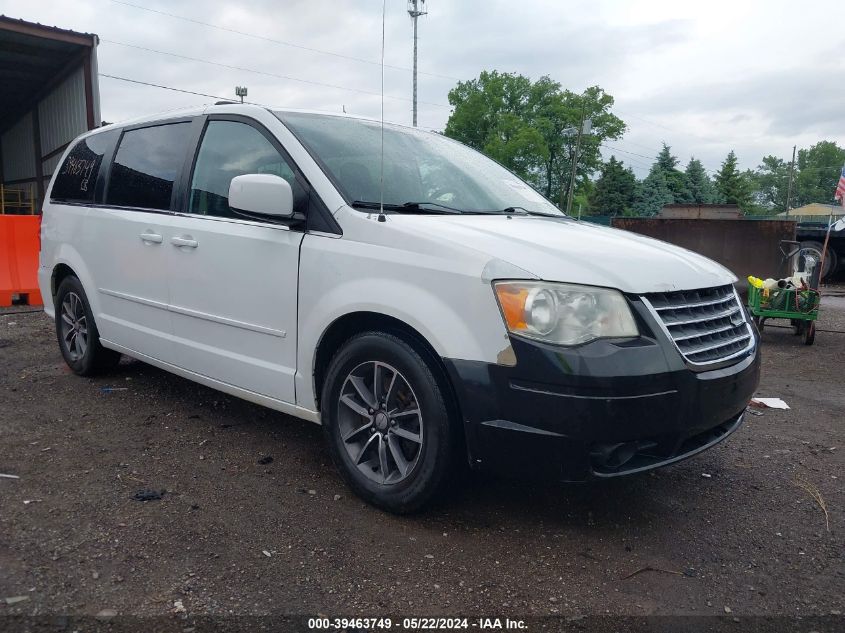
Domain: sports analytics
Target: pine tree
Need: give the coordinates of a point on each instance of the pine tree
(666, 161)
(653, 193)
(676, 180)
(700, 186)
(614, 190)
(732, 185)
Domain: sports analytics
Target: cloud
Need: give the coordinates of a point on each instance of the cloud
(791, 101)
(703, 80)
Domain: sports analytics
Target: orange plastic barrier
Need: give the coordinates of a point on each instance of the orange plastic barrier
(19, 244)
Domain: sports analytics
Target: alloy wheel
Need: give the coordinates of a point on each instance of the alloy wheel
(380, 422)
(74, 326)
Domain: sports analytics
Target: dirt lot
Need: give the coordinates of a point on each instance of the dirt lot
(729, 532)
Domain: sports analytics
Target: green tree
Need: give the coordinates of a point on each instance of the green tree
(523, 125)
(653, 193)
(614, 190)
(584, 191)
(701, 188)
(593, 104)
(818, 170)
(665, 184)
(733, 185)
(676, 180)
(769, 184)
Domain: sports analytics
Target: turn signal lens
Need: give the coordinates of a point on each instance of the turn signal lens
(512, 301)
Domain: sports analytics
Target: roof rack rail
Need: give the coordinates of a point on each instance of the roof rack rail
(225, 102)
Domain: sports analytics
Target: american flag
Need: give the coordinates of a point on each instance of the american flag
(840, 188)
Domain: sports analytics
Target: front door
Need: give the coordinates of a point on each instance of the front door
(233, 281)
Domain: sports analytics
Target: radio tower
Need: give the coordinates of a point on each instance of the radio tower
(416, 8)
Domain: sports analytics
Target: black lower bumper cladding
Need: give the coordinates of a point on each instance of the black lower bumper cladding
(625, 458)
(605, 409)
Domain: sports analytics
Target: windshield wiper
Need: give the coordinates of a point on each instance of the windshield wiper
(408, 207)
(524, 211)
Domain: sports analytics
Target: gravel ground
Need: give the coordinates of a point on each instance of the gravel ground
(732, 531)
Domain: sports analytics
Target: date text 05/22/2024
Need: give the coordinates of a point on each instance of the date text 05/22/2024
(415, 624)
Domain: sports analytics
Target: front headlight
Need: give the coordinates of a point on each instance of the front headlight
(564, 314)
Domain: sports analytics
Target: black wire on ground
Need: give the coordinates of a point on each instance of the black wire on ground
(789, 327)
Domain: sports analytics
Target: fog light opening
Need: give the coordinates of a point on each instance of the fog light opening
(614, 455)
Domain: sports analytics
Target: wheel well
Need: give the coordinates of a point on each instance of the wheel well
(354, 323)
(60, 272)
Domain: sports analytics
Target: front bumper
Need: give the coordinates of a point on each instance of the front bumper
(601, 410)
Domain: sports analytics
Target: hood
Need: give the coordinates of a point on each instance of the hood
(562, 249)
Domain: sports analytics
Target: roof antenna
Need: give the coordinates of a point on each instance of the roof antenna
(381, 217)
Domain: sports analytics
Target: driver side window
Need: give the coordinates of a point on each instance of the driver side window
(229, 149)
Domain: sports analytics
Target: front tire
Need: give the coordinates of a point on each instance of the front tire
(77, 334)
(387, 422)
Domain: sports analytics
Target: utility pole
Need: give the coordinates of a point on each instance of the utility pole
(789, 187)
(416, 8)
(584, 127)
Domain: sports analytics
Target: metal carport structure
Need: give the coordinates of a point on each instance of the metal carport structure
(49, 94)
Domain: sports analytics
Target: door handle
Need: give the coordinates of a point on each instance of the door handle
(184, 241)
(150, 237)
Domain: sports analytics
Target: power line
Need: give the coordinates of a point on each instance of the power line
(624, 140)
(650, 122)
(203, 94)
(631, 163)
(265, 73)
(634, 164)
(619, 149)
(665, 127)
(652, 158)
(146, 83)
(279, 42)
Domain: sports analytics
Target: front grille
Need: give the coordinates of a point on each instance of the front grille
(706, 325)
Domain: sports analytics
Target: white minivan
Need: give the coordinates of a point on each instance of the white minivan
(470, 320)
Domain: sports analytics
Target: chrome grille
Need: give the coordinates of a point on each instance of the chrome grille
(707, 326)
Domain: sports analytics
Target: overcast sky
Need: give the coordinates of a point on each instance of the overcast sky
(750, 75)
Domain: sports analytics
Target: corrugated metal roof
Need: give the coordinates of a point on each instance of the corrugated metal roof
(48, 30)
(32, 56)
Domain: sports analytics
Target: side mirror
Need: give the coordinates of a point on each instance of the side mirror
(264, 194)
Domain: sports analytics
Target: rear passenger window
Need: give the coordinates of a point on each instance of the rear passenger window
(232, 149)
(146, 165)
(78, 174)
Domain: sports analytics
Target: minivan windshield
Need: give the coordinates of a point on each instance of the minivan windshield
(424, 172)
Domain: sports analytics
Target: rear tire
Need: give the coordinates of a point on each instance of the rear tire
(387, 422)
(77, 334)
